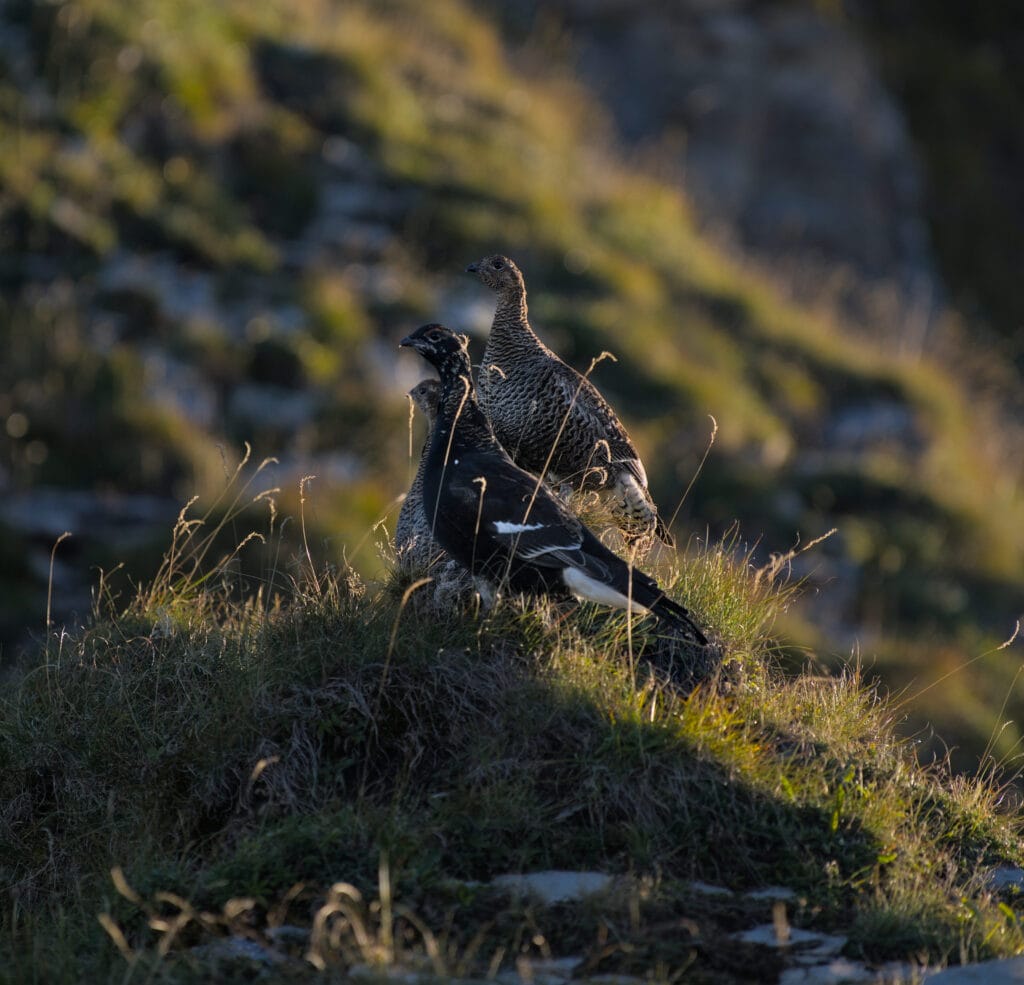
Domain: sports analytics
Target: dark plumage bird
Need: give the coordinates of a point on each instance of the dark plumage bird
(536, 402)
(414, 544)
(418, 553)
(501, 522)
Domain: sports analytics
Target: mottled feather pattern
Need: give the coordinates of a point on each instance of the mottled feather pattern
(552, 419)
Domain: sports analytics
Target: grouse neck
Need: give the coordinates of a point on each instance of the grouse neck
(511, 311)
(458, 408)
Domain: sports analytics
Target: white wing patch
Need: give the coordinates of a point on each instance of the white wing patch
(589, 588)
(535, 552)
(502, 527)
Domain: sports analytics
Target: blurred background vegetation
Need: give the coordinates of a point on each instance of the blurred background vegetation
(802, 219)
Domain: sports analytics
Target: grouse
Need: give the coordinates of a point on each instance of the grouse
(417, 551)
(413, 543)
(501, 522)
(537, 403)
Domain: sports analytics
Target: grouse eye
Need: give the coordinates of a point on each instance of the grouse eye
(497, 264)
(434, 334)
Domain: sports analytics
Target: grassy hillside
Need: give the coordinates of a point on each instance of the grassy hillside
(218, 221)
(324, 757)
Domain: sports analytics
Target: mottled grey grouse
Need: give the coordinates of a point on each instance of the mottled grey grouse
(413, 543)
(416, 550)
(537, 402)
(501, 522)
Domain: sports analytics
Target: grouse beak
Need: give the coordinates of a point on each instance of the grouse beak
(472, 268)
(408, 340)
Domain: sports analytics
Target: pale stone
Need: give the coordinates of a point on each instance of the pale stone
(1004, 972)
(403, 976)
(808, 943)
(837, 972)
(235, 949)
(555, 886)
(707, 889)
(1006, 877)
(827, 946)
(287, 935)
(772, 893)
(899, 973)
(540, 971)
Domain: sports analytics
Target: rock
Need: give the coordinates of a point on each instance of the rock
(706, 889)
(273, 407)
(35, 519)
(896, 972)
(181, 294)
(772, 893)
(360, 199)
(288, 935)
(1004, 972)
(237, 950)
(861, 427)
(806, 944)
(334, 467)
(46, 512)
(470, 312)
(837, 972)
(555, 886)
(389, 974)
(786, 134)
(345, 155)
(826, 946)
(363, 239)
(540, 971)
(179, 387)
(1006, 877)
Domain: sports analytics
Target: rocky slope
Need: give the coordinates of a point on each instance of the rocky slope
(778, 125)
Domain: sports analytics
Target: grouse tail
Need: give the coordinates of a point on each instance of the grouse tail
(675, 615)
(638, 512)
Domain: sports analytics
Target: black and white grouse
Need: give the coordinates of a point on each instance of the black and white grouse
(537, 403)
(417, 552)
(501, 522)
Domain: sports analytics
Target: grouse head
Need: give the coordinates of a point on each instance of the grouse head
(427, 395)
(497, 272)
(442, 348)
